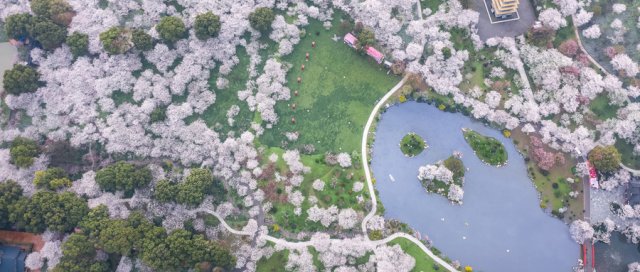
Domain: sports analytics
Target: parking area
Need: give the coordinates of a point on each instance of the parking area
(490, 26)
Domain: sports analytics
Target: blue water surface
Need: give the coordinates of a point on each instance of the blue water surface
(499, 227)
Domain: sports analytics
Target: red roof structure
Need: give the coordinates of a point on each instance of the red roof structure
(350, 40)
(375, 54)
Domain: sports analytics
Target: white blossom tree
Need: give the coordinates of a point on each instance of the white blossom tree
(581, 231)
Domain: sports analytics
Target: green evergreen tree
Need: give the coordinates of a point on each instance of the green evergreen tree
(79, 44)
(171, 29)
(261, 19)
(207, 25)
(21, 79)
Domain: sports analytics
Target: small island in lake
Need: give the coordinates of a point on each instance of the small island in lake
(488, 149)
(445, 178)
(412, 144)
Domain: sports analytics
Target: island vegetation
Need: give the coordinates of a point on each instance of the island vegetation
(488, 149)
(412, 144)
(445, 178)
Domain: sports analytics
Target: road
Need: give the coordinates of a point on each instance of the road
(586, 196)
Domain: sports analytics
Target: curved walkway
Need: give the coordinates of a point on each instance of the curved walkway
(591, 59)
(631, 170)
(372, 193)
(368, 242)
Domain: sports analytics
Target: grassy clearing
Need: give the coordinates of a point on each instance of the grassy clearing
(338, 89)
(431, 4)
(215, 116)
(275, 263)
(488, 149)
(120, 98)
(423, 262)
(602, 108)
(553, 197)
(338, 190)
(412, 145)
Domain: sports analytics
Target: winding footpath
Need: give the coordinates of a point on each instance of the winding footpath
(372, 193)
(591, 59)
(631, 170)
(299, 245)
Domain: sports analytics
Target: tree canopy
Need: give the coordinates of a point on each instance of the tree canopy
(366, 37)
(171, 29)
(141, 40)
(59, 11)
(10, 193)
(79, 255)
(21, 79)
(207, 25)
(51, 179)
(605, 159)
(23, 151)
(261, 19)
(192, 190)
(49, 34)
(137, 236)
(116, 40)
(122, 176)
(58, 212)
(79, 43)
(17, 25)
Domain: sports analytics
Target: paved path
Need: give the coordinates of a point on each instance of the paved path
(365, 154)
(372, 193)
(631, 170)
(367, 242)
(591, 59)
(304, 244)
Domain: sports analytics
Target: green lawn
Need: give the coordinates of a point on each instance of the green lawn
(552, 196)
(275, 263)
(338, 190)
(215, 116)
(412, 144)
(488, 149)
(423, 262)
(602, 108)
(338, 90)
(431, 4)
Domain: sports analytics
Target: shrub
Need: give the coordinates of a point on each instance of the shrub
(51, 179)
(23, 151)
(59, 11)
(78, 43)
(158, 114)
(568, 48)
(47, 33)
(207, 25)
(21, 79)
(605, 159)
(141, 40)
(17, 25)
(122, 176)
(116, 40)
(261, 19)
(171, 29)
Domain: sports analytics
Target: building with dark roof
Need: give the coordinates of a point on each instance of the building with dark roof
(12, 258)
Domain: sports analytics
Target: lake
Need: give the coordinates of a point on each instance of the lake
(499, 227)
